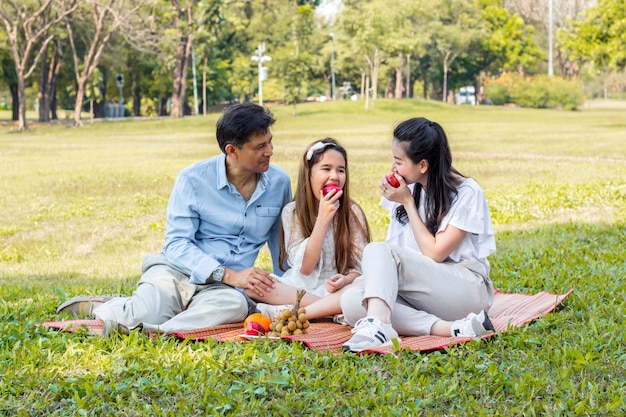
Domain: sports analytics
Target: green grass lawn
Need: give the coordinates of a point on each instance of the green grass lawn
(81, 207)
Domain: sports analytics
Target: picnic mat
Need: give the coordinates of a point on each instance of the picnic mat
(508, 310)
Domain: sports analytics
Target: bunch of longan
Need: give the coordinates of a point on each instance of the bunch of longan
(288, 323)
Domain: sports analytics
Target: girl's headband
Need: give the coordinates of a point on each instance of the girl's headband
(317, 147)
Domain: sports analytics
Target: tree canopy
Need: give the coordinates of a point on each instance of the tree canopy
(599, 36)
(66, 53)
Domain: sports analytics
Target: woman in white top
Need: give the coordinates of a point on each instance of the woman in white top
(431, 276)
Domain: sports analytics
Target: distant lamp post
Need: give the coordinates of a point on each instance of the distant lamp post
(260, 59)
(332, 64)
(550, 64)
(119, 79)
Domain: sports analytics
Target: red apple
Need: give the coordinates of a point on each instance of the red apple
(393, 181)
(255, 329)
(328, 188)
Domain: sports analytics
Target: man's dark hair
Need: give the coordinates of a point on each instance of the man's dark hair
(240, 122)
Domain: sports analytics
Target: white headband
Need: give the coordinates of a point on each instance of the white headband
(317, 147)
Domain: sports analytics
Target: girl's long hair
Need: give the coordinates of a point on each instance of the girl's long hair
(424, 139)
(346, 222)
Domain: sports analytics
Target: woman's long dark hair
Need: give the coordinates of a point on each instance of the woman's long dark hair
(424, 139)
(346, 222)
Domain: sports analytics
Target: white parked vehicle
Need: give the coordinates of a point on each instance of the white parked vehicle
(466, 95)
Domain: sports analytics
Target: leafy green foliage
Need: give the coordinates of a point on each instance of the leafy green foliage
(540, 91)
(599, 36)
(82, 207)
(509, 44)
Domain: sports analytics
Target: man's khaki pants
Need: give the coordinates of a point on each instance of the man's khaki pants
(165, 301)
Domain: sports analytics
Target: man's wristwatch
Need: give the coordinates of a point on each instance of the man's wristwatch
(218, 274)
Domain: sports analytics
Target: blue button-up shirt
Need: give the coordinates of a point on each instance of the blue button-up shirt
(209, 223)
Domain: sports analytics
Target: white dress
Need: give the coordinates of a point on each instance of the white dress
(296, 243)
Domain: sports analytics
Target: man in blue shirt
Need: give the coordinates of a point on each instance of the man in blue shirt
(221, 212)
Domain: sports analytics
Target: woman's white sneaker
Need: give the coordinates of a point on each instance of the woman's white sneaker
(370, 333)
(473, 325)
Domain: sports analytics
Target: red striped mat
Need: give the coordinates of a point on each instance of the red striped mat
(508, 310)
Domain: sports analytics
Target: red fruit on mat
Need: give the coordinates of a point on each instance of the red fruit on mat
(393, 181)
(328, 188)
(255, 329)
(261, 319)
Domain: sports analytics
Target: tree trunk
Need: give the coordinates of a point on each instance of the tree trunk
(21, 95)
(42, 93)
(362, 84)
(78, 105)
(375, 69)
(408, 76)
(51, 96)
(15, 102)
(375, 63)
(367, 92)
(399, 76)
(99, 108)
(445, 76)
(183, 55)
(179, 78)
(136, 111)
(48, 75)
(53, 103)
(163, 106)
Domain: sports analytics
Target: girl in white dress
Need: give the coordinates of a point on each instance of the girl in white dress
(324, 231)
(431, 276)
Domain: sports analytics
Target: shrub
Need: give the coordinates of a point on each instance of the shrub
(540, 91)
(565, 94)
(535, 93)
(498, 94)
(500, 90)
(148, 107)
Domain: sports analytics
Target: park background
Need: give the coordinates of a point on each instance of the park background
(77, 59)
(82, 206)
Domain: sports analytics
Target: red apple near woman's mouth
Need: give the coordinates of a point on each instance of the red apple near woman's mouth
(328, 188)
(393, 181)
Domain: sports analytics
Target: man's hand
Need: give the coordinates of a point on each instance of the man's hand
(251, 279)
